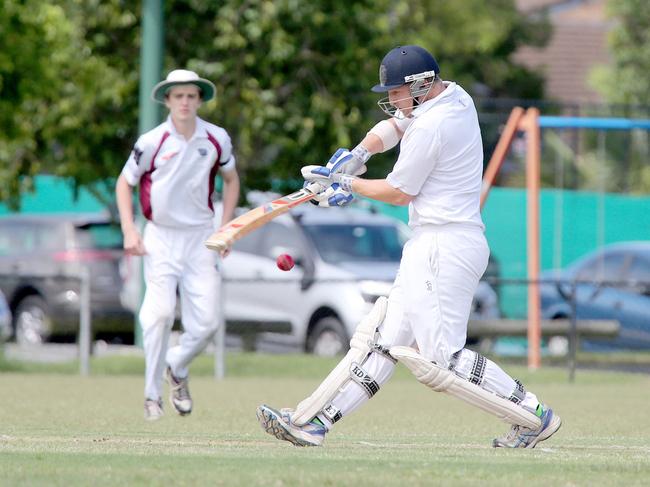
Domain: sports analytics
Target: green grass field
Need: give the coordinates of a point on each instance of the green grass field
(59, 429)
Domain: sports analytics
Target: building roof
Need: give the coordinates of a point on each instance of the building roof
(577, 45)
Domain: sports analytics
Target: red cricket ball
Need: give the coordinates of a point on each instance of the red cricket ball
(284, 262)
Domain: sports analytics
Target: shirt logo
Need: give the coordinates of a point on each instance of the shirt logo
(203, 151)
(168, 155)
(137, 154)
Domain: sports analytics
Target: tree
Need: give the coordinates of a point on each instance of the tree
(295, 76)
(292, 76)
(62, 104)
(626, 80)
(625, 83)
(474, 40)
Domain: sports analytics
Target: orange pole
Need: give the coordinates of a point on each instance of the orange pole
(500, 151)
(533, 163)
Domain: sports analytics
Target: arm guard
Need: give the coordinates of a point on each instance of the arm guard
(390, 131)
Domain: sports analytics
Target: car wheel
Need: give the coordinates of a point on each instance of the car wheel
(327, 338)
(32, 323)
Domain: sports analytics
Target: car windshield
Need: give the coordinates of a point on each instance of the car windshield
(99, 236)
(356, 243)
(23, 237)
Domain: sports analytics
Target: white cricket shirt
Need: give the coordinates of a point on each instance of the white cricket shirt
(441, 161)
(176, 176)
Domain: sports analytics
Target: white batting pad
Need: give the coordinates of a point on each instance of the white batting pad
(443, 380)
(360, 346)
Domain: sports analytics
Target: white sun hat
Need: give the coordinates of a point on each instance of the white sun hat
(183, 77)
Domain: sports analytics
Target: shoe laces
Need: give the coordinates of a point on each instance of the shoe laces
(152, 405)
(311, 427)
(181, 389)
(513, 433)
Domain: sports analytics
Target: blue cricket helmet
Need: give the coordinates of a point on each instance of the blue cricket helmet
(404, 64)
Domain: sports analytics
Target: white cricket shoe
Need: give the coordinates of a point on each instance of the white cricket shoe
(522, 437)
(179, 393)
(153, 410)
(278, 424)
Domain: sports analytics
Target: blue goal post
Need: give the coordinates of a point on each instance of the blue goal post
(593, 123)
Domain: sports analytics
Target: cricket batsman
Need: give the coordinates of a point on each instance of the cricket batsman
(423, 322)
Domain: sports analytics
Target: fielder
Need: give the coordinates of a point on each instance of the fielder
(423, 322)
(175, 165)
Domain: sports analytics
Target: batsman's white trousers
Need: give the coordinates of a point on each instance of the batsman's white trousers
(177, 257)
(431, 299)
(430, 302)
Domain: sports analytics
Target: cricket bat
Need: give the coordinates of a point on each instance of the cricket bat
(257, 217)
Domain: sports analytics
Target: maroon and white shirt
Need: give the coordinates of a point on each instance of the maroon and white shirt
(176, 176)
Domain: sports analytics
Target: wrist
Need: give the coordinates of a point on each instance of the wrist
(128, 228)
(361, 153)
(346, 181)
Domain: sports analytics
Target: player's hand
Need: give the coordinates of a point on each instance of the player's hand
(323, 176)
(345, 162)
(225, 252)
(133, 244)
(332, 196)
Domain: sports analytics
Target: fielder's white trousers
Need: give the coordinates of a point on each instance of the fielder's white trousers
(177, 257)
(429, 307)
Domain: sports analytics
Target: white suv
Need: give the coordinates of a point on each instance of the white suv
(345, 259)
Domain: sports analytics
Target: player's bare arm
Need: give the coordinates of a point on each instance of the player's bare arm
(377, 189)
(380, 190)
(229, 200)
(132, 240)
(230, 195)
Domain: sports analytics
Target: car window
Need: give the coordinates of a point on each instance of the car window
(251, 243)
(639, 270)
(98, 236)
(604, 267)
(356, 242)
(278, 235)
(24, 237)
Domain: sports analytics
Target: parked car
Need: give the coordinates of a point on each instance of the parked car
(345, 259)
(41, 258)
(618, 288)
(5, 318)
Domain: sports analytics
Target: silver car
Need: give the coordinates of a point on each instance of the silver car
(41, 258)
(5, 318)
(345, 259)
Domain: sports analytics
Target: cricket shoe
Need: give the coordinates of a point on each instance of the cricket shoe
(179, 393)
(153, 410)
(278, 424)
(522, 437)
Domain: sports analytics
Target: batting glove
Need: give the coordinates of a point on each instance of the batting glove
(332, 196)
(323, 176)
(349, 162)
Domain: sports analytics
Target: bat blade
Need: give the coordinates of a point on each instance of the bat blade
(257, 217)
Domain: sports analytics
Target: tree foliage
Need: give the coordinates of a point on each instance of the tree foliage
(63, 106)
(626, 80)
(292, 76)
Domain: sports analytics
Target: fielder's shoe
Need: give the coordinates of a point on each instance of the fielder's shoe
(278, 424)
(179, 393)
(153, 409)
(522, 437)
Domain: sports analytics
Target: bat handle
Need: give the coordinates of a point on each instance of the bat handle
(314, 187)
(216, 244)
